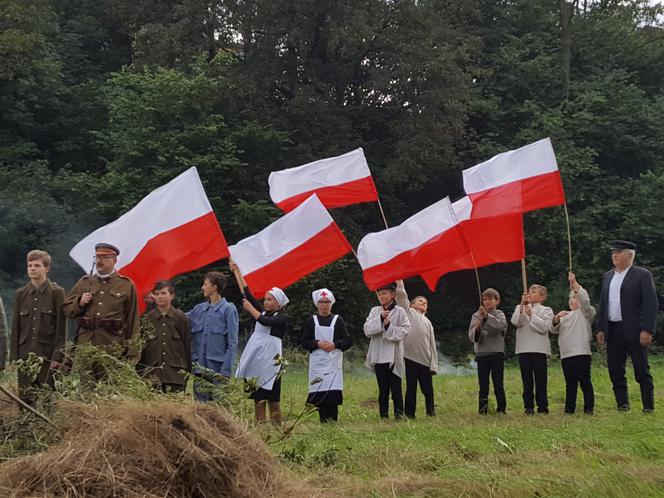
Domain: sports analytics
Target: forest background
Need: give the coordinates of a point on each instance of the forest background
(102, 101)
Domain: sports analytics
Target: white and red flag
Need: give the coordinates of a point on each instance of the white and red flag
(517, 181)
(172, 230)
(496, 239)
(412, 248)
(292, 247)
(337, 181)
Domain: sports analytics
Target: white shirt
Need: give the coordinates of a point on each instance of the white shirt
(615, 313)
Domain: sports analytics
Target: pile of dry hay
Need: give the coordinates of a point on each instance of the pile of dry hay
(144, 450)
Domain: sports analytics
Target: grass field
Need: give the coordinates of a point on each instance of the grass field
(460, 453)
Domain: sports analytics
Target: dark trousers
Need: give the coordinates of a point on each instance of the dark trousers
(491, 365)
(576, 370)
(619, 345)
(328, 412)
(416, 372)
(534, 375)
(388, 383)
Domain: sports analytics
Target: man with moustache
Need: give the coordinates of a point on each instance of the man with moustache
(104, 304)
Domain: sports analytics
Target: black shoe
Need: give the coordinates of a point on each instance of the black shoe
(543, 410)
(502, 411)
(648, 411)
(589, 412)
(567, 412)
(483, 412)
(623, 408)
(529, 411)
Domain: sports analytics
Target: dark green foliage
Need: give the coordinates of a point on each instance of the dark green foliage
(101, 102)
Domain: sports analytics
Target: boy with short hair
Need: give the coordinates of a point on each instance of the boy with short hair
(167, 349)
(487, 333)
(38, 324)
(533, 322)
(387, 325)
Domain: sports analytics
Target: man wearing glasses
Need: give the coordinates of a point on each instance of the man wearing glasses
(104, 304)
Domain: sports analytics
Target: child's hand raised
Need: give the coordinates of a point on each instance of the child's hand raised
(524, 299)
(482, 311)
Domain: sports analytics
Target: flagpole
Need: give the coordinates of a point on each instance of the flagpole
(524, 278)
(477, 277)
(382, 213)
(238, 276)
(569, 237)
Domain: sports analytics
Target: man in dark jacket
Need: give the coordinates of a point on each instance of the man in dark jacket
(626, 322)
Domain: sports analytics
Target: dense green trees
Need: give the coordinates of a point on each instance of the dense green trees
(100, 102)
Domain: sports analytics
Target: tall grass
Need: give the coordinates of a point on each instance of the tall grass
(460, 453)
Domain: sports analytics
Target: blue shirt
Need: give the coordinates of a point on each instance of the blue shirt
(214, 333)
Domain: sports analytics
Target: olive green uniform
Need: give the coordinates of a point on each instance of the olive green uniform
(111, 316)
(39, 327)
(167, 348)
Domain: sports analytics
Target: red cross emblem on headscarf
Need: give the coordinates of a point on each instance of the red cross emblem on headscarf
(323, 294)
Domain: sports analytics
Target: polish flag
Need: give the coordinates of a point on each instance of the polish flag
(517, 181)
(292, 247)
(337, 181)
(172, 230)
(497, 239)
(413, 247)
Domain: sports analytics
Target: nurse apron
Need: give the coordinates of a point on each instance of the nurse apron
(258, 358)
(325, 369)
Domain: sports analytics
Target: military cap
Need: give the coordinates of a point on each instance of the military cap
(623, 244)
(105, 248)
(391, 286)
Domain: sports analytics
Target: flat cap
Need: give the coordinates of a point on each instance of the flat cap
(623, 244)
(106, 248)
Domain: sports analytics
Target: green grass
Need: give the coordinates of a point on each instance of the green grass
(460, 453)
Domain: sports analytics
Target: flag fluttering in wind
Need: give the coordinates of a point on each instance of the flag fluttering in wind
(172, 230)
(497, 239)
(412, 248)
(337, 181)
(517, 181)
(292, 247)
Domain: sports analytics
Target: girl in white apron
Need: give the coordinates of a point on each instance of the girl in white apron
(325, 336)
(258, 358)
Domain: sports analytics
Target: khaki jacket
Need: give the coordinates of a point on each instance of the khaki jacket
(38, 323)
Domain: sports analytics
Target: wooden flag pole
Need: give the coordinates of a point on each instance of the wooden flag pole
(238, 277)
(524, 278)
(382, 213)
(477, 277)
(569, 237)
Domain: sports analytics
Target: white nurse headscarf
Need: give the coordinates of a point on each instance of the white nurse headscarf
(319, 294)
(279, 296)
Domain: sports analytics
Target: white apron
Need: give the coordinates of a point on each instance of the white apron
(323, 365)
(257, 359)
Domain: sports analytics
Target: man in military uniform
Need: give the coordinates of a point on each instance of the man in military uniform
(104, 304)
(38, 324)
(167, 349)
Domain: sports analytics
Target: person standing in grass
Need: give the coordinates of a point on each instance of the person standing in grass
(325, 336)
(419, 351)
(214, 333)
(259, 359)
(387, 326)
(574, 335)
(167, 350)
(487, 332)
(533, 322)
(38, 325)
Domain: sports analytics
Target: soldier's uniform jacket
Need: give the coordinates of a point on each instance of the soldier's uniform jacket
(111, 316)
(38, 323)
(168, 348)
